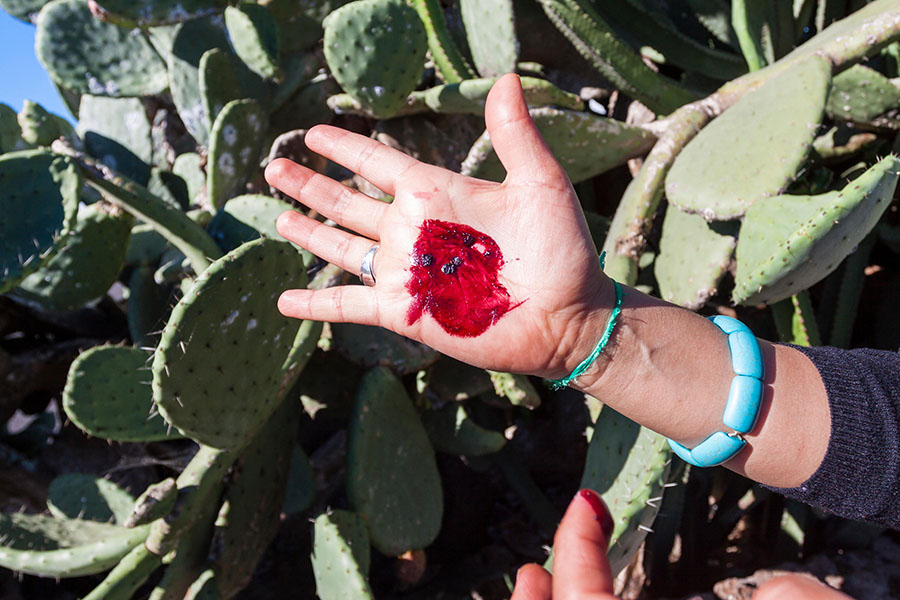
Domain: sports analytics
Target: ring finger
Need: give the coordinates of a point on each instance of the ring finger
(329, 243)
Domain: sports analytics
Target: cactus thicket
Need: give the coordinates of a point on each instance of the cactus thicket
(756, 127)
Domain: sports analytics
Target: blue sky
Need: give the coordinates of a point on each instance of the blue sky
(21, 75)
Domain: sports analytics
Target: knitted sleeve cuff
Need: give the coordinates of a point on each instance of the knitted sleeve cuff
(859, 478)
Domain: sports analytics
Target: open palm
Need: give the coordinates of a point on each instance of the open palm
(550, 271)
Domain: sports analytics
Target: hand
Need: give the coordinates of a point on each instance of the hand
(581, 570)
(558, 296)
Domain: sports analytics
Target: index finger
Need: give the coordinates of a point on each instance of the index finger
(580, 567)
(379, 164)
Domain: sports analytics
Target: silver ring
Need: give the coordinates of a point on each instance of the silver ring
(367, 269)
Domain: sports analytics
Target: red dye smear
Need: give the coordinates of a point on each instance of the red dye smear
(454, 278)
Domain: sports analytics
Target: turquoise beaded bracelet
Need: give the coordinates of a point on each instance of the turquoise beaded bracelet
(744, 399)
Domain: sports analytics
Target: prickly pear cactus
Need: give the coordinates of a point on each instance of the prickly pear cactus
(227, 333)
(108, 395)
(88, 262)
(51, 547)
(22, 9)
(628, 466)
(234, 148)
(117, 132)
(861, 94)
(86, 55)
(219, 84)
(491, 33)
(370, 346)
(253, 31)
(37, 125)
(788, 243)
(733, 161)
(341, 556)
(158, 12)
(245, 218)
(10, 132)
(585, 145)
(453, 431)
(43, 190)
(82, 496)
(395, 487)
(693, 257)
(376, 52)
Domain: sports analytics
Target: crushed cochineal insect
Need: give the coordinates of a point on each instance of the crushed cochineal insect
(454, 278)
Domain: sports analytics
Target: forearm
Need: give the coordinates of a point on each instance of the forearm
(670, 370)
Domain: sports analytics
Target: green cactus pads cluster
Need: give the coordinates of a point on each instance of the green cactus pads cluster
(585, 145)
(219, 84)
(376, 52)
(50, 547)
(693, 257)
(733, 161)
(86, 55)
(88, 262)
(861, 94)
(22, 9)
(340, 558)
(233, 149)
(491, 33)
(82, 496)
(370, 346)
(108, 395)
(39, 191)
(254, 499)
(788, 243)
(116, 132)
(158, 12)
(253, 32)
(452, 431)
(627, 465)
(245, 218)
(395, 487)
(192, 40)
(448, 60)
(217, 369)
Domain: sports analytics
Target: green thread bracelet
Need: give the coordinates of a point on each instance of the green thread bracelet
(558, 384)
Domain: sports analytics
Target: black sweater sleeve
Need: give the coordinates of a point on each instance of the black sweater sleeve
(859, 478)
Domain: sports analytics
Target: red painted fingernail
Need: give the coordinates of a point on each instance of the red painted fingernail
(601, 512)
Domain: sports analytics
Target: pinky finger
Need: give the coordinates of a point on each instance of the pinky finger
(342, 304)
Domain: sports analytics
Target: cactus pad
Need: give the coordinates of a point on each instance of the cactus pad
(10, 132)
(82, 496)
(217, 369)
(219, 84)
(340, 557)
(392, 477)
(189, 166)
(860, 94)
(158, 12)
(627, 465)
(22, 9)
(370, 346)
(516, 388)
(87, 264)
(788, 243)
(86, 55)
(301, 484)
(491, 32)
(49, 547)
(234, 148)
(693, 257)
(376, 52)
(734, 161)
(38, 126)
(117, 133)
(253, 32)
(245, 218)
(452, 431)
(254, 499)
(108, 395)
(584, 144)
(39, 193)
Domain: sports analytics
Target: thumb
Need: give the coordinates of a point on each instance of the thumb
(514, 136)
(580, 567)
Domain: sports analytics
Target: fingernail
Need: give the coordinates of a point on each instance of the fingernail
(601, 512)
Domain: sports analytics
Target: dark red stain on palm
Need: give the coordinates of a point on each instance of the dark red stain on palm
(454, 278)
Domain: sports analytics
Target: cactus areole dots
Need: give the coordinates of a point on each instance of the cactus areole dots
(454, 278)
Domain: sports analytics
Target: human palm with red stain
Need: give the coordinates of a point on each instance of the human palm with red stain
(505, 276)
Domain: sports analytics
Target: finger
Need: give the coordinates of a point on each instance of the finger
(797, 587)
(580, 567)
(342, 304)
(379, 164)
(515, 138)
(532, 583)
(330, 243)
(352, 209)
